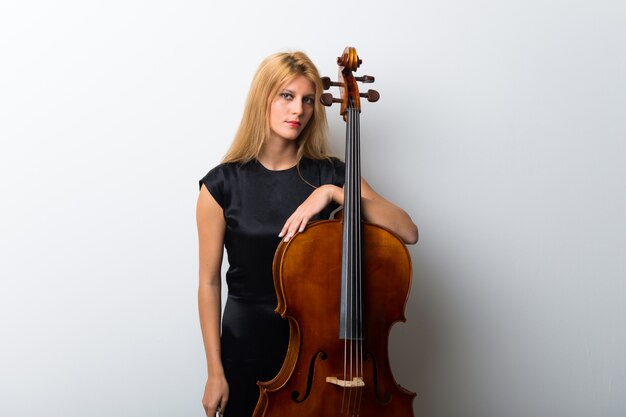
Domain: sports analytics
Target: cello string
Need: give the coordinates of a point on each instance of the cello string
(354, 227)
(346, 266)
(359, 260)
(359, 248)
(352, 258)
(355, 258)
(353, 220)
(356, 222)
(350, 252)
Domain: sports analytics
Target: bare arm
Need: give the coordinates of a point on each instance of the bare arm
(211, 228)
(382, 212)
(375, 209)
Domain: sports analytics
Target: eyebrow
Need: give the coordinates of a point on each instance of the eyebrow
(286, 90)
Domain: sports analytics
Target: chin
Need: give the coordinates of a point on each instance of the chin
(292, 136)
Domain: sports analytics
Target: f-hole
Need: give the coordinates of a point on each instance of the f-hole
(309, 384)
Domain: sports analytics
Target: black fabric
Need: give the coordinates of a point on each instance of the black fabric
(256, 203)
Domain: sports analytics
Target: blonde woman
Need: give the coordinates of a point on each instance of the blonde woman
(276, 177)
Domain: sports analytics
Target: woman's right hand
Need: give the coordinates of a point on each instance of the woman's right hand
(315, 202)
(215, 396)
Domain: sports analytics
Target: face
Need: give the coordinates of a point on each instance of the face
(292, 108)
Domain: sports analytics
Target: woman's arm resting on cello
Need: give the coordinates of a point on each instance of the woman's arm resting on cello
(374, 208)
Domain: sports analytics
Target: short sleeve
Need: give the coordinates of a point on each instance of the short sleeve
(214, 182)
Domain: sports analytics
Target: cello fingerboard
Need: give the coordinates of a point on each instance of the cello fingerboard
(351, 314)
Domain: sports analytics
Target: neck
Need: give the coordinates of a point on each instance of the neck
(279, 155)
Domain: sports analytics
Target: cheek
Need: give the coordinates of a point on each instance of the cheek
(276, 108)
(273, 110)
(309, 113)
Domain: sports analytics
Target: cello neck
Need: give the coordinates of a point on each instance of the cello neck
(351, 315)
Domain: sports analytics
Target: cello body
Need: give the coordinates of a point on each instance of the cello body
(307, 275)
(341, 284)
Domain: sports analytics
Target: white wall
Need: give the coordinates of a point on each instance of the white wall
(500, 130)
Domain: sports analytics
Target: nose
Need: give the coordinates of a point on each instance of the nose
(297, 107)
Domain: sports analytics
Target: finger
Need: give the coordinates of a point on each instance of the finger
(296, 227)
(214, 410)
(283, 231)
(211, 410)
(288, 224)
(305, 221)
(288, 237)
(221, 407)
(290, 232)
(287, 230)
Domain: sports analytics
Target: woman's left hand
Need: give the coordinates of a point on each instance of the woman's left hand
(316, 202)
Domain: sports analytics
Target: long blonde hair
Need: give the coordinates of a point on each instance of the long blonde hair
(273, 73)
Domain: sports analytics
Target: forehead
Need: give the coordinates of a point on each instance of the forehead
(299, 84)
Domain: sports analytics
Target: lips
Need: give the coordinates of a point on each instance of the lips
(293, 123)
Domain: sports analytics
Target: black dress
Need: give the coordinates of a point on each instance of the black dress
(256, 203)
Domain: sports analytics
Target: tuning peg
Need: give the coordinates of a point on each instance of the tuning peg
(371, 95)
(365, 79)
(327, 83)
(327, 99)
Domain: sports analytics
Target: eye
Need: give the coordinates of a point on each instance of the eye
(286, 95)
(308, 100)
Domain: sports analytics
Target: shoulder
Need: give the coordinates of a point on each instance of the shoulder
(217, 179)
(222, 172)
(223, 168)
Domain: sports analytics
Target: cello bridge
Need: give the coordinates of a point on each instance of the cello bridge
(356, 382)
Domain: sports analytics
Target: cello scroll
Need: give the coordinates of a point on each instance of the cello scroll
(348, 62)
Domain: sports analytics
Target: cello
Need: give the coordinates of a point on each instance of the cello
(341, 284)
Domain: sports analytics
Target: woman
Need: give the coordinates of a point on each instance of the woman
(276, 177)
